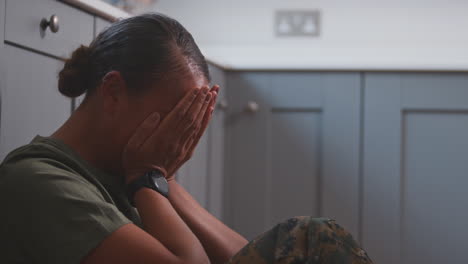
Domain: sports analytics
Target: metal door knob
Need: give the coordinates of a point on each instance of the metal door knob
(252, 107)
(52, 23)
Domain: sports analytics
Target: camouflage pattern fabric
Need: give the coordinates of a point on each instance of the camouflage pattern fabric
(303, 240)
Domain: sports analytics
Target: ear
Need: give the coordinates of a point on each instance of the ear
(113, 93)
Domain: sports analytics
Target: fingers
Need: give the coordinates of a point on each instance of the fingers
(207, 114)
(215, 88)
(184, 105)
(201, 113)
(144, 131)
(204, 124)
(191, 117)
(203, 97)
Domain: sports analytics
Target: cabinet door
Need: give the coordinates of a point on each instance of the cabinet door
(298, 154)
(31, 102)
(415, 164)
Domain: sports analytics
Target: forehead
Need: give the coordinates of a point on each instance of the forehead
(168, 93)
(195, 79)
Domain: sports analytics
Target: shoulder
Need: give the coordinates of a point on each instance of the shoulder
(38, 167)
(62, 215)
(34, 173)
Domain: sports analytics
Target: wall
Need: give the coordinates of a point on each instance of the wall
(396, 23)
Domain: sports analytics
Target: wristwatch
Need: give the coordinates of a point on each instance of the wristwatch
(153, 179)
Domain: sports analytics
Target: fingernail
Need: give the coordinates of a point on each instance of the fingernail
(208, 97)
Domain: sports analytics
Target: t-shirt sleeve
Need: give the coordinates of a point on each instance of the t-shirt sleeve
(58, 216)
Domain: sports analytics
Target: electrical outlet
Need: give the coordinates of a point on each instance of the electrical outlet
(297, 23)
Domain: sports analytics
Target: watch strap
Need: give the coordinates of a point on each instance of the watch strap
(145, 181)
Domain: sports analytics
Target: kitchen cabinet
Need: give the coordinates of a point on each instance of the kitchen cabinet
(383, 153)
(31, 104)
(415, 166)
(23, 20)
(31, 57)
(293, 148)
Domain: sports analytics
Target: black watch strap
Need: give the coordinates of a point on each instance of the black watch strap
(154, 180)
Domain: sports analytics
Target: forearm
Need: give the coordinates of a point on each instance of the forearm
(162, 222)
(219, 241)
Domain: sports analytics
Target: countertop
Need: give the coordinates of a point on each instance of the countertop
(316, 56)
(343, 58)
(99, 8)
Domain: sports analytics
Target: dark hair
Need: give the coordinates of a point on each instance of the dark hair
(143, 48)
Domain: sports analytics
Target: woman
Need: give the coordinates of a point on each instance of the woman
(101, 189)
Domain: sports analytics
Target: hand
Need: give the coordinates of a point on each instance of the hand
(193, 142)
(167, 145)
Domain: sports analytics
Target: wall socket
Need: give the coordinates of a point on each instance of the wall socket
(297, 23)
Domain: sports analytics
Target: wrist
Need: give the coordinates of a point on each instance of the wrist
(135, 175)
(141, 196)
(171, 178)
(153, 180)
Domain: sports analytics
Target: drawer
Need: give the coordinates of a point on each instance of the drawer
(23, 26)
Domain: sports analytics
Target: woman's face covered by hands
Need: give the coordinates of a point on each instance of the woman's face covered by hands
(170, 122)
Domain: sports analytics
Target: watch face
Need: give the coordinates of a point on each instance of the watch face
(160, 183)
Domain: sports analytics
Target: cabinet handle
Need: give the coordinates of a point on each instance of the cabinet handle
(252, 107)
(52, 23)
(223, 105)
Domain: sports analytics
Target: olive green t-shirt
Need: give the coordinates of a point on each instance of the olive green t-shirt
(55, 207)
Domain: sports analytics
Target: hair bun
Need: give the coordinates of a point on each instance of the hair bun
(74, 78)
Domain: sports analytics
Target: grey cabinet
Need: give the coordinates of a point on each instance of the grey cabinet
(23, 26)
(386, 154)
(298, 154)
(31, 103)
(30, 60)
(415, 202)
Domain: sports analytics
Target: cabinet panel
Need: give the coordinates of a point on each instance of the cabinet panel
(283, 159)
(31, 102)
(295, 164)
(246, 154)
(23, 26)
(2, 20)
(415, 156)
(433, 182)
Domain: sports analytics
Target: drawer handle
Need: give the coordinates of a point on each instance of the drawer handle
(52, 23)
